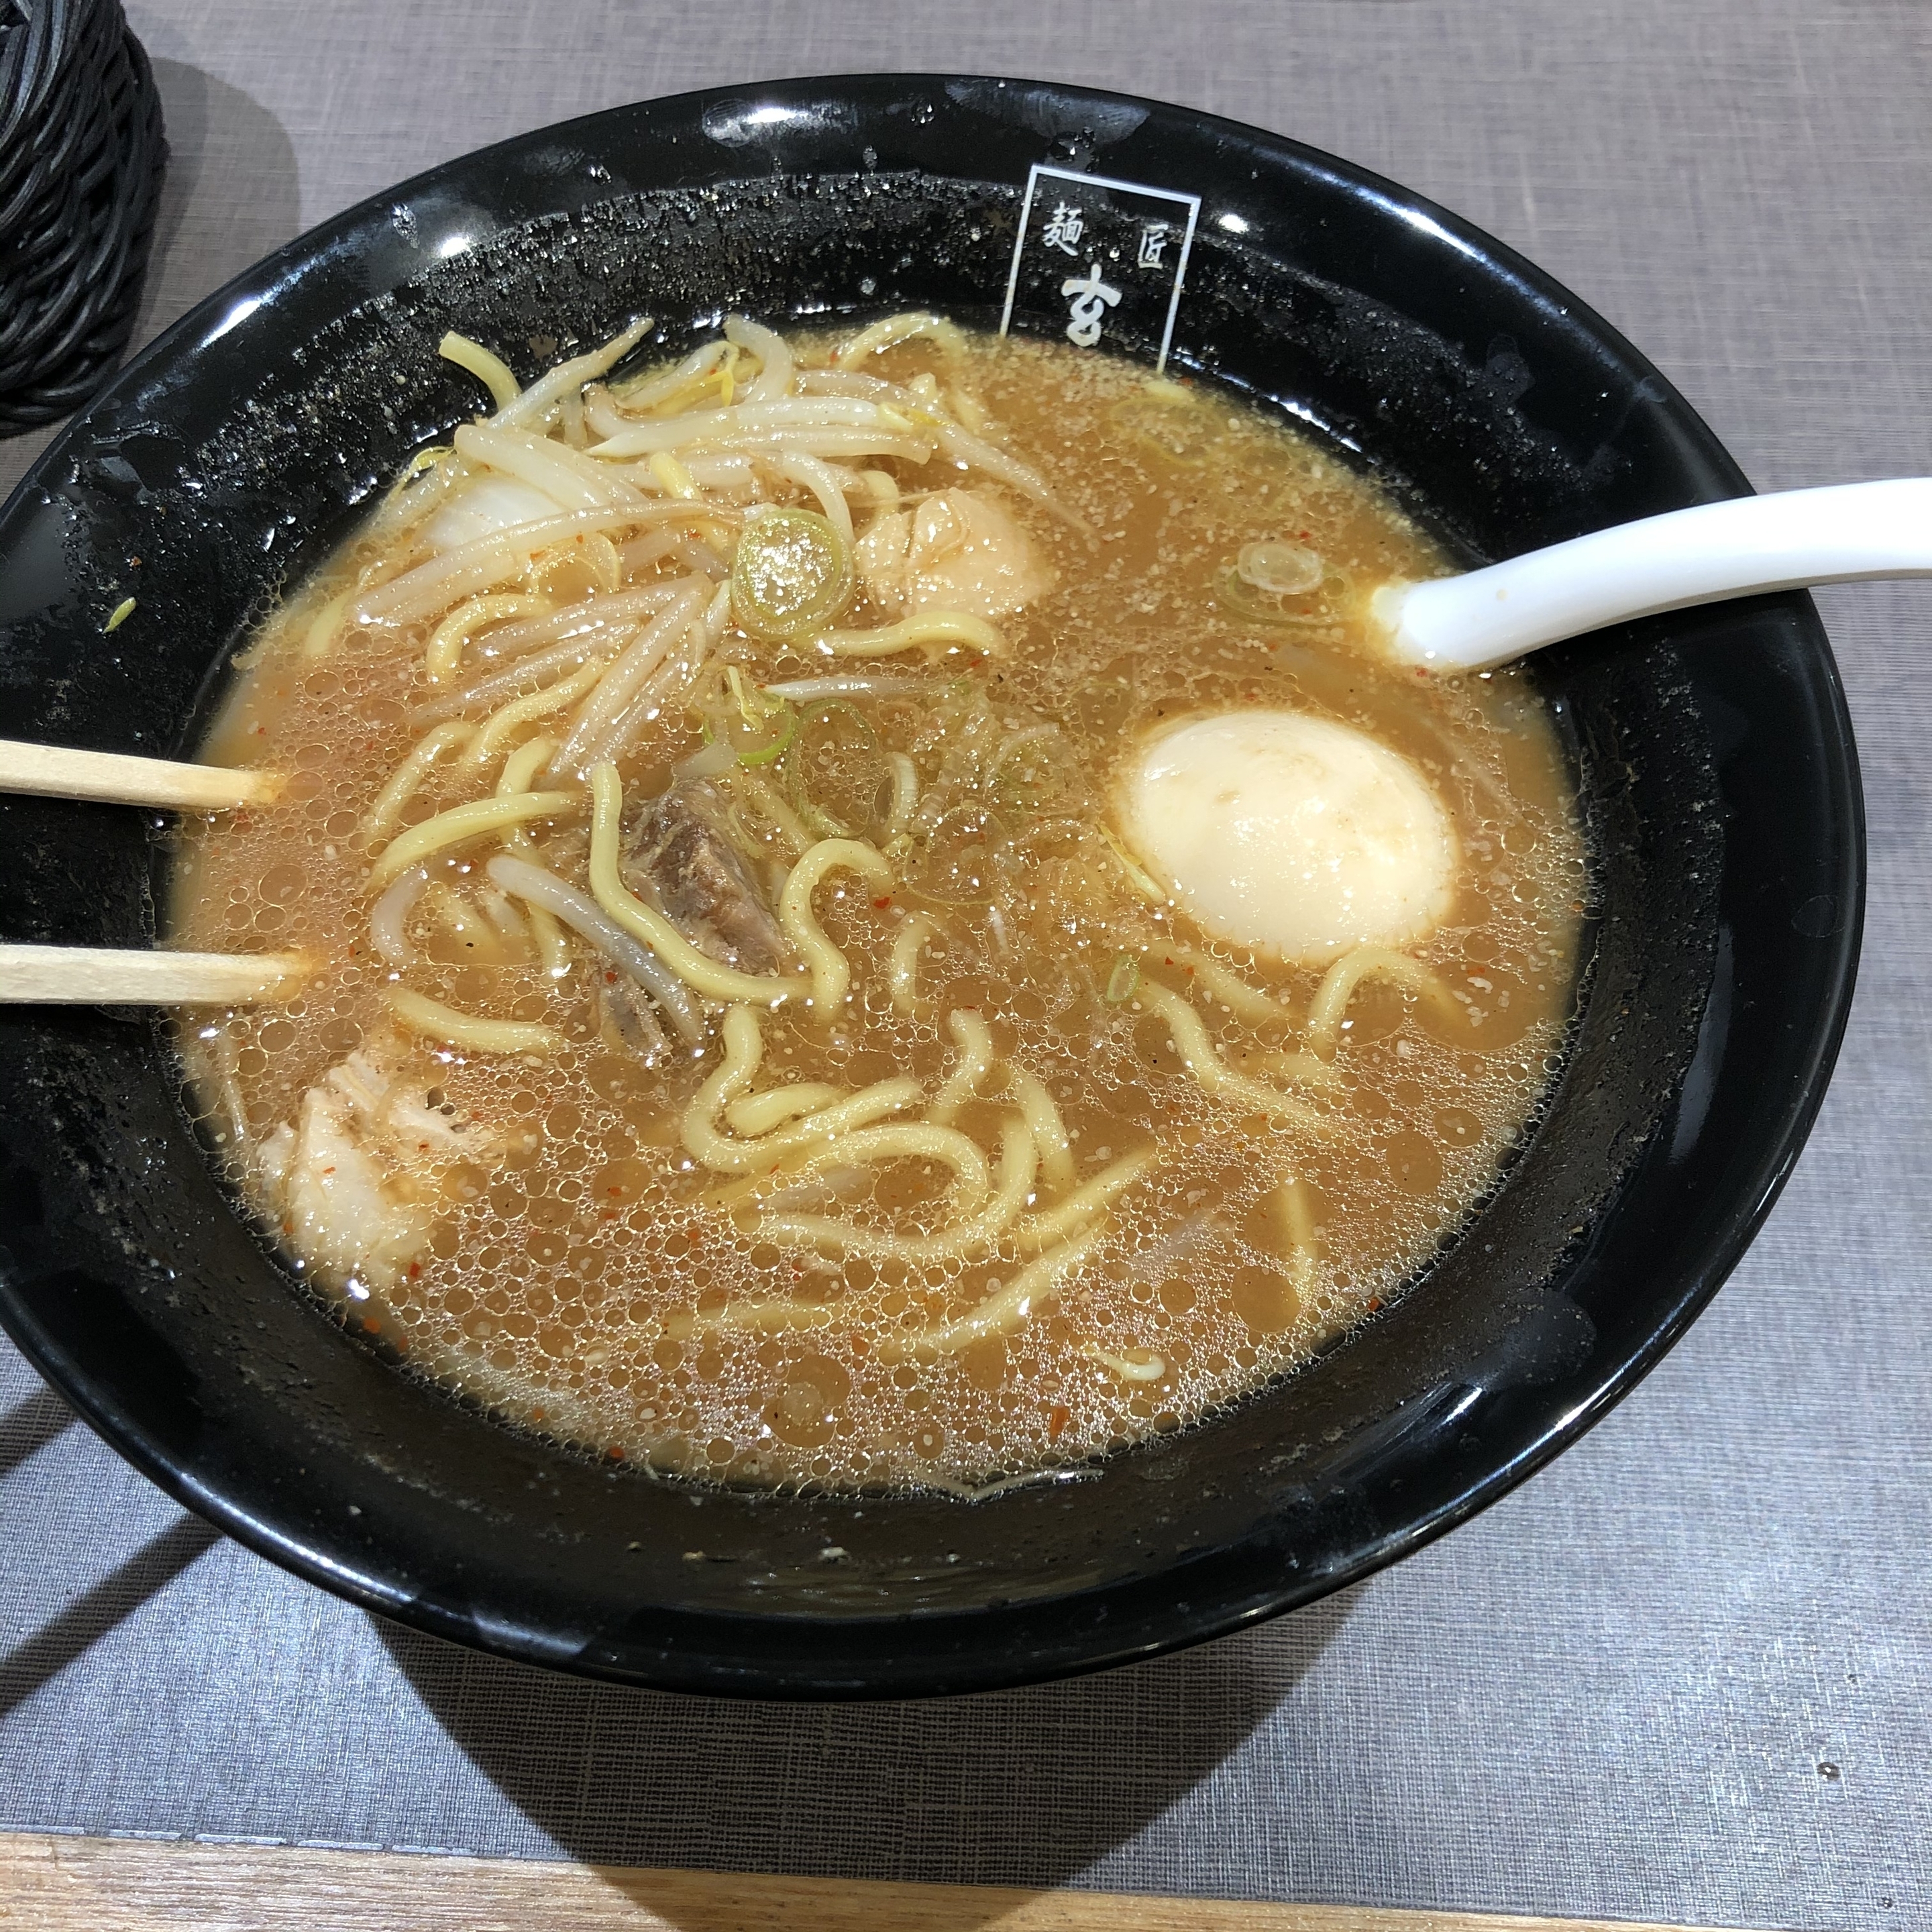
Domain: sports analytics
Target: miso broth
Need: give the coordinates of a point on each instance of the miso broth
(1005, 1159)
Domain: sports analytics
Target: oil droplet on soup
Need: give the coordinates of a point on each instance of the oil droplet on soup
(823, 1053)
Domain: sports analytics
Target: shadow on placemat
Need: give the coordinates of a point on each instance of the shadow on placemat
(235, 191)
(86, 1621)
(29, 1426)
(1027, 1787)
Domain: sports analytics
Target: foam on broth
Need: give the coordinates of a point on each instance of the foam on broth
(572, 1272)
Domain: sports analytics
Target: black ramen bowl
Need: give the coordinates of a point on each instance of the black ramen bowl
(1712, 750)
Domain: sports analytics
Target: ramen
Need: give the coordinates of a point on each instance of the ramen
(877, 918)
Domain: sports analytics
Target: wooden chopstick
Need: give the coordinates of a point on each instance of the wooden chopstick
(62, 1884)
(86, 976)
(81, 976)
(53, 771)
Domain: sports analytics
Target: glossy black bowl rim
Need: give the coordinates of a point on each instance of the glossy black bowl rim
(1778, 1144)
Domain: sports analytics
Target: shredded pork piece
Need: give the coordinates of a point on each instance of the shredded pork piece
(680, 857)
(355, 1176)
(960, 550)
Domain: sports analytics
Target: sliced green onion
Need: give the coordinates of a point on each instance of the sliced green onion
(793, 574)
(1123, 978)
(755, 703)
(1308, 609)
(838, 816)
(770, 754)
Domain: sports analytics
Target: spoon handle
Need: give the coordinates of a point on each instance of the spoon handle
(1778, 542)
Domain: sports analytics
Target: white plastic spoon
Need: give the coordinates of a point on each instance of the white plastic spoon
(1796, 538)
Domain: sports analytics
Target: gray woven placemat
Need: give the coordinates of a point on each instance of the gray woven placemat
(1684, 1674)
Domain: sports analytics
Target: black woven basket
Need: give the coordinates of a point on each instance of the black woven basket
(81, 156)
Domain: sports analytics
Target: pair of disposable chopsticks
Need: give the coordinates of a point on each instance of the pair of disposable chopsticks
(104, 976)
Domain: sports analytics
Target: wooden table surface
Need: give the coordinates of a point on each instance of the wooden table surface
(59, 1884)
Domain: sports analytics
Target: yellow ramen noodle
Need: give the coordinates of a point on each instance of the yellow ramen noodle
(811, 995)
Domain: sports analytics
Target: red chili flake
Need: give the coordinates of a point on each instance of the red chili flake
(370, 1323)
(610, 977)
(879, 905)
(1375, 1304)
(1057, 1418)
(536, 1415)
(416, 1267)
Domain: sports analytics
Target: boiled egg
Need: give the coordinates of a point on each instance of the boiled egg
(1292, 836)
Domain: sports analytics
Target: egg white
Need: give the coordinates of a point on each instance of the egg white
(1292, 836)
